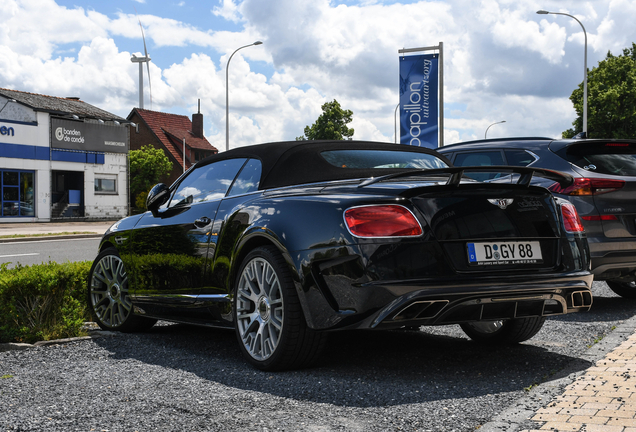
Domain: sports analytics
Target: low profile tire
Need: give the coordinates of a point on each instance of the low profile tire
(269, 322)
(503, 332)
(108, 298)
(623, 289)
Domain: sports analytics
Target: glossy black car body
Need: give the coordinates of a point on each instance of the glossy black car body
(286, 241)
(604, 193)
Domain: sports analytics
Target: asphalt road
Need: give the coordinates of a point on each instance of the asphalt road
(178, 377)
(30, 252)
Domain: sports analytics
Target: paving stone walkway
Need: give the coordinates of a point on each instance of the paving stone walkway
(603, 399)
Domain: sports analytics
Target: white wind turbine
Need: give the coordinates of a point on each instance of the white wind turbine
(141, 60)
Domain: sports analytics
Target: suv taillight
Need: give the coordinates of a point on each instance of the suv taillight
(600, 218)
(588, 186)
(571, 220)
(382, 221)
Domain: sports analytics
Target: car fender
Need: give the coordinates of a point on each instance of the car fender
(309, 229)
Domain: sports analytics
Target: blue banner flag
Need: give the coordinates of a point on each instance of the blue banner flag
(418, 100)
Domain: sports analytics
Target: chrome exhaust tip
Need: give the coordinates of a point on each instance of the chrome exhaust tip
(581, 299)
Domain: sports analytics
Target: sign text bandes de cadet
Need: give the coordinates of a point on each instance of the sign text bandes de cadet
(418, 100)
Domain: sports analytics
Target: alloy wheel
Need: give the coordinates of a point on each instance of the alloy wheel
(109, 291)
(259, 309)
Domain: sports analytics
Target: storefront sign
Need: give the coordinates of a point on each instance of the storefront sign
(418, 100)
(7, 131)
(77, 135)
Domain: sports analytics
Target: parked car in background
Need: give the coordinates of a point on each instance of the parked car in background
(285, 242)
(604, 191)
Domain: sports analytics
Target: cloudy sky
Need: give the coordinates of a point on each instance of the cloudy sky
(502, 61)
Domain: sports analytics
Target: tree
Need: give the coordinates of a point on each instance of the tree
(331, 124)
(147, 166)
(611, 103)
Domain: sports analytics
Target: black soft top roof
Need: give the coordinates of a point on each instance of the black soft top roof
(297, 162)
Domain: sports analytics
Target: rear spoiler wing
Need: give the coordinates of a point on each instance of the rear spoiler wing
(455, 174)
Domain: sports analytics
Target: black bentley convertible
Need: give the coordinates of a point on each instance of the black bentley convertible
(287, 241)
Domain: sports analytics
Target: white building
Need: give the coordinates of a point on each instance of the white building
(61, 158)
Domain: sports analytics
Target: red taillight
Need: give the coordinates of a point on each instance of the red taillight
(588, 186)
(600, 218)
(382, 221)
(571, 220)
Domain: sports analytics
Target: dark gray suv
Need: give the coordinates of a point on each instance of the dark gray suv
(604, 191)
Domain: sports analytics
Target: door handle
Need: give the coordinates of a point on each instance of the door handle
(202, 222)
(120, 240)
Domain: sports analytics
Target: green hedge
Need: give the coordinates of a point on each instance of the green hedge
(43, 301)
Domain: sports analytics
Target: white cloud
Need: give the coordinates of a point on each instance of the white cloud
(502, 61)
(35, 28)
(612, 35)
(228, 10)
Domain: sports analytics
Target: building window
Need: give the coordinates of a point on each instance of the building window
(18, 194)
(200, 155)
(106, 184)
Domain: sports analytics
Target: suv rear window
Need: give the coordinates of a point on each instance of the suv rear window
(481, 158)
(365, 159)
(519, 157)
(613, 158)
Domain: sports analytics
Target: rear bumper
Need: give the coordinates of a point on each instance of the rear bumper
(484, 304)
(612, 258)
(398, 304)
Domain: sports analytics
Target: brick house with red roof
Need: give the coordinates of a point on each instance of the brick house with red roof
(168, 131)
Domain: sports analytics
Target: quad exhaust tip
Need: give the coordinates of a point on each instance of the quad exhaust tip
(494, 308)
(581, 299)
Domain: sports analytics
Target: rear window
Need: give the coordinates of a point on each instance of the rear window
(365, 159)
(484, 158)
(519, 157)
(604, 158)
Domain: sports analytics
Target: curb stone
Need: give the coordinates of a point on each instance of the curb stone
(95, 334)
(513, 418)
(12, 346)
(49, 237)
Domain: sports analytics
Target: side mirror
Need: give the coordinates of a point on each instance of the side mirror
(157, 196)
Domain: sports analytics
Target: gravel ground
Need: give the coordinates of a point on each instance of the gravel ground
(178, 377)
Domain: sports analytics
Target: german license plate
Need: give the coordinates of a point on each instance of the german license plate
(502, 253)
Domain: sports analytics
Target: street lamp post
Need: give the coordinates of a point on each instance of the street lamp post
(544, 12)
(486, 133)
(227, 94)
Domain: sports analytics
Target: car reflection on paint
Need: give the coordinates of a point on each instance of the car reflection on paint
(18, 209)
(286, 242)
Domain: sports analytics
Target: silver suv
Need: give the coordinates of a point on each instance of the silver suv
(604, 191)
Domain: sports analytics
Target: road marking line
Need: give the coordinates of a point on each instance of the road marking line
(48, 241)
(18, 255)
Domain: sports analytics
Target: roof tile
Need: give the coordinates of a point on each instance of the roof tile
(170, 129)
(59, 105)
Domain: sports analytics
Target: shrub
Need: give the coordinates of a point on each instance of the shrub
(140, 201)
(43, 301)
